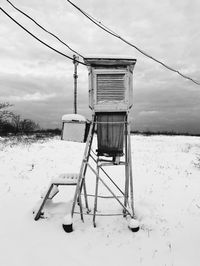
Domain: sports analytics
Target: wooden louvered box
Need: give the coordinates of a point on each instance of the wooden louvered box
(110, 83)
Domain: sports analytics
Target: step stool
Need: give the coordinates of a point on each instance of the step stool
(66, 179)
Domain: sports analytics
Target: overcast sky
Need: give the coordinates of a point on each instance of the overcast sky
(39, 82)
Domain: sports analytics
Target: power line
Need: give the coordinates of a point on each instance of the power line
(105, 28)
(29, 17)
(50, 47)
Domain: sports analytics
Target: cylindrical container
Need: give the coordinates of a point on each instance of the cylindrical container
(110, 133)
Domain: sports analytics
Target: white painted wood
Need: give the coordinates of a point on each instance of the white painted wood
(110, 84)
(73, 131)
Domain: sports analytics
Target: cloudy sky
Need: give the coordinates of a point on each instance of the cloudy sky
(39, 82)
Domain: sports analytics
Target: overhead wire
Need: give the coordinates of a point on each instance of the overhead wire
(52, 34)
(108, 30)
(99, 24)
(44, 43)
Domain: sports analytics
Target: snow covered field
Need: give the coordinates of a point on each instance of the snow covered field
(167, 200)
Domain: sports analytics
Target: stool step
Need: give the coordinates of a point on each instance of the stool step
(66, 179)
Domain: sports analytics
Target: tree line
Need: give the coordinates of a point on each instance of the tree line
(11, 123)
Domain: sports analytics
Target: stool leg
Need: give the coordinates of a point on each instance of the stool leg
(37, 216)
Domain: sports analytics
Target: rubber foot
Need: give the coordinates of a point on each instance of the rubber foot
(68, 228)
(134, 225)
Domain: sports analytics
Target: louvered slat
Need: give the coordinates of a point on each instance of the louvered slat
(110, 87)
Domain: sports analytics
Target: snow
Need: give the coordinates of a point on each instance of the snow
(167, 204)
(108, 56)
(134, 223)
(73, 117)
(67, 219)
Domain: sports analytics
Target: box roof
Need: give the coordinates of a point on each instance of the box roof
(73, 117)
(110, 61)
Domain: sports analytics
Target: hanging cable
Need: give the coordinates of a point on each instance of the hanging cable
(29, 17)
(47, 45)
(105, 28)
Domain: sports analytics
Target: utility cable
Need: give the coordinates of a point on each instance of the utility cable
(105, 28)
(29, 17)
(47, 45)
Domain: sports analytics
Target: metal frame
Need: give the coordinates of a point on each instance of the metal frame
(100, 163)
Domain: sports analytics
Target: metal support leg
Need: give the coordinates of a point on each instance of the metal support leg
(96, 195)
(83, 185)
(85, 196)
(126, 194)
(80, 205)
(130, 171)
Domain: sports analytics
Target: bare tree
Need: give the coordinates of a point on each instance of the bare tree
(23, 125)
(28, 126)
(5, 115)
(12, 123)
(16, 123)
(5, 119)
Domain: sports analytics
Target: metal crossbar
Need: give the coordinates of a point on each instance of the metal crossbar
(101, 214)
(110, 122)
(104, 197)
